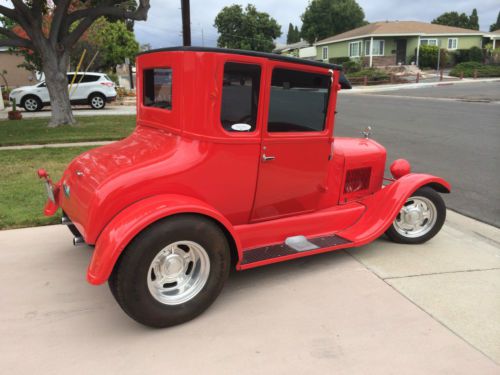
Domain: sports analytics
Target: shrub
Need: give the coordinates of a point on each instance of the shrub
(351, 66)
(339, 60)
(475, 54)
(428, 56)
(373, 74)
(460, 55)
(467, 68)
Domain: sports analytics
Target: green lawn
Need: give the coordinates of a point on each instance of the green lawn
(95, 128)
(22, 194)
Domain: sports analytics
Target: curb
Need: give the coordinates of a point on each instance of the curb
(56, 145)
(405, 86)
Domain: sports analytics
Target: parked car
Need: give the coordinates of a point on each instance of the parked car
(233, 164)
(94, 89)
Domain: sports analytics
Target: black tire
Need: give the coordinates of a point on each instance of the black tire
(130, 276)
(31, 103)
(97, 100)
(440, 216)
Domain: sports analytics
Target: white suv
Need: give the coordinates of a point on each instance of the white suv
(95, 89)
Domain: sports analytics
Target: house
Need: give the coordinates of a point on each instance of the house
(15, 76)
(395, 42)
(300, 49)
(494, 36)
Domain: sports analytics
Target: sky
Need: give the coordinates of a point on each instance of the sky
(163, 27)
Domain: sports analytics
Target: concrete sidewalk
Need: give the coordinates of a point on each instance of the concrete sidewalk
(79, 111)
(380, 309)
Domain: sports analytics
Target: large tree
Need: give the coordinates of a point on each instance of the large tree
(324, 18)
(68, 21)
(246, 28)
(496, 26)
(458, 20)
(293, 35)
(474, 20)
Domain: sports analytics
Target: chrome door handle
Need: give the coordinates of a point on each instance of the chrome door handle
(267, 158)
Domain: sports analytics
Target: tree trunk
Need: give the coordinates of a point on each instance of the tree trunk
(55, 68)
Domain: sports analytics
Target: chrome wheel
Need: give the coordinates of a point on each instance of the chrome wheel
(97, 102)
(31, 104)
(416, 218)
(178, 272)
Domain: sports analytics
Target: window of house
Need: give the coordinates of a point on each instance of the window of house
(240, 96)
(355, 49)
(378, 48)
(325, 53)
(157, 88)
(452, 43)
(299, 101)
(428, 42)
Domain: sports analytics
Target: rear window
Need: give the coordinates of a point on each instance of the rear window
(157, 88)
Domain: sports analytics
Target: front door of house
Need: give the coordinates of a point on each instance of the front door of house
(401, 51)
(295, 144)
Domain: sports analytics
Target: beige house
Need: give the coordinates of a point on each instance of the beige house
(15, 76)
(395, 42)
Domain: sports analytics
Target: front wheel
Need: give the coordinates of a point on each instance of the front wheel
(420, 218)
(172, 271)
(32, 103)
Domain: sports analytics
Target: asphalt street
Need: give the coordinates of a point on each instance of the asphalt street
(452, 138)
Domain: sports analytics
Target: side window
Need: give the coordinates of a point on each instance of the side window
(87, 78)
(299, 101)
(157, 88)
(240, 97)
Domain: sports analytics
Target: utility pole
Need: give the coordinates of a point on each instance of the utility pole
(186, 23)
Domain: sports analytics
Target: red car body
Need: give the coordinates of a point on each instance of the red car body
(181, 160)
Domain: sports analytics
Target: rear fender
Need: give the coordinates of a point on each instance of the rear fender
(384, 206)
(132, 220)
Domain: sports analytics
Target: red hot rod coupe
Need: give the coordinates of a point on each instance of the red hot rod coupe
(233, 163)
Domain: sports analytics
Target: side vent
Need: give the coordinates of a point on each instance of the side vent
(357, 179)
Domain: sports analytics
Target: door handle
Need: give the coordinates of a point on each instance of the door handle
(267, 158)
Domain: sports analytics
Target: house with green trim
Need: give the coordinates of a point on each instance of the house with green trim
(394, 42)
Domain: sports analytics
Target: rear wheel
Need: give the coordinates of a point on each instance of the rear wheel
(32, 103)
(420, 218)
(172, 271)
(97, 101)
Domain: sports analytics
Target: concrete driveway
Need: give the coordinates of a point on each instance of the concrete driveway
(379, 309)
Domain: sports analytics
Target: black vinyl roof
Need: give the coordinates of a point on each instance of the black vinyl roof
(271, 56)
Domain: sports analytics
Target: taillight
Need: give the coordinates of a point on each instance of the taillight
(357, 179)
(109, 84)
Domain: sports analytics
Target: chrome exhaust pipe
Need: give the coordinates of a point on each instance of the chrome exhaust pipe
(78, 241)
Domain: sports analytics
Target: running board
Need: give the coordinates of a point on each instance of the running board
(274, 252)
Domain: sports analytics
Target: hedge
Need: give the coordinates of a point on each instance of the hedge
(467, 68)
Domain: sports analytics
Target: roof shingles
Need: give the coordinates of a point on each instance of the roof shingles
(398, 27)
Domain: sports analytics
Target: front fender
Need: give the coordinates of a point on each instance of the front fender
(132, 220)
(383, 206)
